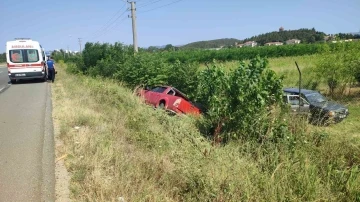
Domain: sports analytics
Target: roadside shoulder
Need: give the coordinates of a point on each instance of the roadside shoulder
(62, 177)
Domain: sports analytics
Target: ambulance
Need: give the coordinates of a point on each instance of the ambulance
(26, 59)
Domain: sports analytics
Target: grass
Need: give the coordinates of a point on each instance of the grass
(286, 66)
(119, 147)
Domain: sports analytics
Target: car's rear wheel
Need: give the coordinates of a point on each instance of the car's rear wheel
(13, 81)
(162, 105)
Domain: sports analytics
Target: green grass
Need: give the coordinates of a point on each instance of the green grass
(124, 148)
(286, 66)
(288, 63)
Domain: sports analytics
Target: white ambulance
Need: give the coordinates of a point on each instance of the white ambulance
(26, 59)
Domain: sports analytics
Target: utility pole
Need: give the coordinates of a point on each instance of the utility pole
(80, 44)
(133, 16)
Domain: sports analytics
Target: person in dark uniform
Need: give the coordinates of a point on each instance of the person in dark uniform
(51, 69)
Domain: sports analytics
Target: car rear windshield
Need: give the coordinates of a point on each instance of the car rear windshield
(24, 55)
(159, 89)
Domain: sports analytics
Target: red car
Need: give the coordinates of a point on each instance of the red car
(169, 98)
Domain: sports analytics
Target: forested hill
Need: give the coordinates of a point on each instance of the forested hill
(305, 35)
(217, 43)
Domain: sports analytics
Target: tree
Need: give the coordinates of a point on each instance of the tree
(2, 57)
(153, 49)
(312, 39)
(305, 35)
(338, 69)
(237, 100)
(169, 47)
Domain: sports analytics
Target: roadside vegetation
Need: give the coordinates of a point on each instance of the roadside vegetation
(246, 148)
(2, 57)
(119, 147)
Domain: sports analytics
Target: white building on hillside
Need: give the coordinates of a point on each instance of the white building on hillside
(293, 41)
(250, 43)
(274, 44)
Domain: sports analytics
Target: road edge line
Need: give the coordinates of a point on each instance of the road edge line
(3, 89)
(48, 152)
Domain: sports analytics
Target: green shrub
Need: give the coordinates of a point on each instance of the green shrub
(238, 101)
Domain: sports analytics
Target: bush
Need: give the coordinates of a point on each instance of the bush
(239, 101)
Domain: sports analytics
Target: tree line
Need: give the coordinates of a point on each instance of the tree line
(2, 57)
(246, 53)
(307, 36)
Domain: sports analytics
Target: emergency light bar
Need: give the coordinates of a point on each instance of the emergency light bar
(22, 38)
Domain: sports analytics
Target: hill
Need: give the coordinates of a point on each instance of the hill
(305, 35)
(355, 33)
(217, 43)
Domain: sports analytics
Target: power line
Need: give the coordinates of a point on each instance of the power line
(107, 23)
(106, 27)
(104, 30)
(161, 6)
(140, 0)
(148, 3)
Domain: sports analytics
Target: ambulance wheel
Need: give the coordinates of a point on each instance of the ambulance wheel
(45, 78)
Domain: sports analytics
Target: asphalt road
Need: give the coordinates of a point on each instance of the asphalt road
(26, 142)
(4, 79)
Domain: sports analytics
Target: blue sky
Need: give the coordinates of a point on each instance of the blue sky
(59, 24)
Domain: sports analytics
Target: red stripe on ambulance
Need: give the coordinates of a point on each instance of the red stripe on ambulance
(24, 65)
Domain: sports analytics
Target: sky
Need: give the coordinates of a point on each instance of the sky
(59, 24)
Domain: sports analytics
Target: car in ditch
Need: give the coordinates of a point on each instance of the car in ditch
(170, 99)
(319, 109)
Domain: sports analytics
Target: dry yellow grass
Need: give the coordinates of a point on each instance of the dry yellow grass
(101, 164)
